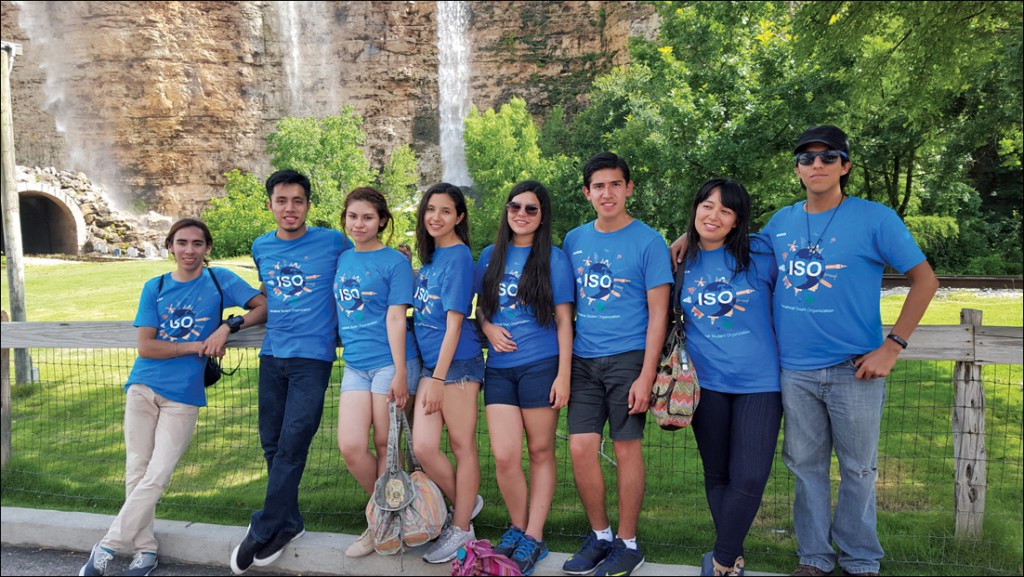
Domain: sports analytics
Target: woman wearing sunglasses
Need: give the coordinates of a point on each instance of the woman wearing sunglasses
(525, 287)
(179, 322)
(728, 283)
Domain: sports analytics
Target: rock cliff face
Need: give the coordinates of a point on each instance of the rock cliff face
(156, 100)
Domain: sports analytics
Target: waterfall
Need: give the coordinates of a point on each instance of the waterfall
(88, 139)
(313, 79)
(453, 83)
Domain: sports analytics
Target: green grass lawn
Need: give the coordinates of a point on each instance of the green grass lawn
(69, 449)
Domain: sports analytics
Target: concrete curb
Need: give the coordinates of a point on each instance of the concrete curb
(212, 545)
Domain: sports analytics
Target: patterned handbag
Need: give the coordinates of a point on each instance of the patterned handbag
(676, 392)
(406, 509)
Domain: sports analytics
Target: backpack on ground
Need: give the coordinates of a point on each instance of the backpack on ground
(477, 558)
(406, 509)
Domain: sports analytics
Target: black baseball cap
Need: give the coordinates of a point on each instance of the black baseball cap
(826, 134)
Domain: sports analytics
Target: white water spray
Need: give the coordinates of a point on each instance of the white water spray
(313, 79)
(453, 82)
(87, 142)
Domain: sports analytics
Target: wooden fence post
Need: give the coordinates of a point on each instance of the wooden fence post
(5, 401)
(969, 454)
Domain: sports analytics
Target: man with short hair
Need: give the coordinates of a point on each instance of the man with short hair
(296, 266)
(831, 250)
(623, 274)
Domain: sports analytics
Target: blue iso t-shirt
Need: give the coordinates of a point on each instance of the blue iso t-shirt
(184, 312)
(299, 275)
(827, 296)
(365, 285)
(728, 321)
(446, 284)
(613, 272)
(533, 340)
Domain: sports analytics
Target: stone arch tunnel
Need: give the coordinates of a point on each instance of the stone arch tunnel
(51, 222)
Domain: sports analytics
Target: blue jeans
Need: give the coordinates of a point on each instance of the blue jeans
(828, 409)
(736, 435)
(291, 403)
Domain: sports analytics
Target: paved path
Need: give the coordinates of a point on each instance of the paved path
(43, 542)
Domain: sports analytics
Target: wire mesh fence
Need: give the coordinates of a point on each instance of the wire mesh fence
(68, 452)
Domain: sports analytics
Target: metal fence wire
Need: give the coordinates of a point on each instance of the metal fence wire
(68, 452)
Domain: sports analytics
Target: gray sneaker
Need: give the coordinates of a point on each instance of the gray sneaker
(97, 563)
(142, 564)
(477, 507)
(448, 544)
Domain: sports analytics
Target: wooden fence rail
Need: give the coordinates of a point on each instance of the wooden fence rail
(969, 344)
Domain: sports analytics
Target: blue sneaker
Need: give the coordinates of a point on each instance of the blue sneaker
(707, 564)
(590, 555)
(621, 560)
(528, 553)
(509, 541)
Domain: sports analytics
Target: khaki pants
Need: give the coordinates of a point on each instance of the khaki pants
(157, 432)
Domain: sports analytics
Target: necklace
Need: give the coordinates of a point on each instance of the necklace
(813, 248)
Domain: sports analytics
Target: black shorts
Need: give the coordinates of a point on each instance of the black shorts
(600, 392)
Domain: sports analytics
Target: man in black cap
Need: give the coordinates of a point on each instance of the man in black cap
(831, 250)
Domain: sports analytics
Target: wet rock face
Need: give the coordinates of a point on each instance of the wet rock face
(157, 100)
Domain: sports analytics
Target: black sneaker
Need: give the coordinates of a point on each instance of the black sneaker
(528, 553)
(272, 549)
(243, 555)
(621, 560)
(584, 561)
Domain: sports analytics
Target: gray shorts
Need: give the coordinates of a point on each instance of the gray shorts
(600, 393)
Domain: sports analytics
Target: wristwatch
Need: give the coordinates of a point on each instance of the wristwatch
(899, 340)
(234, 323)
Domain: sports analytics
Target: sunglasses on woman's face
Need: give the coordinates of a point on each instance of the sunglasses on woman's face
(514, 208)
(826, 156)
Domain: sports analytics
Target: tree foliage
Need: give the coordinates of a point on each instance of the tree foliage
(929, 92)
(329, 151)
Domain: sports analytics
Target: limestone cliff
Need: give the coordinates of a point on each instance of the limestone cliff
(157, 100)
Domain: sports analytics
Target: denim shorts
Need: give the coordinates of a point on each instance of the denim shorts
(464, 371)
(378, 381)
(526, 386)
(600, 393)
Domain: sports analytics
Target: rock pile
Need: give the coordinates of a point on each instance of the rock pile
(109, 230)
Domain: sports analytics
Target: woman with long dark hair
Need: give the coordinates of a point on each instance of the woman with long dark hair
(179, 322)
(726, 299)
(453, 364)
(373, 287)
(525, 308)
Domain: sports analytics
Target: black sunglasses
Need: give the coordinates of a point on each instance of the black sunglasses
(514, 207)
(826, 156)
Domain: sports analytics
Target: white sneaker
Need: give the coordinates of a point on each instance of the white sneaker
(363, 545)
(448, 544)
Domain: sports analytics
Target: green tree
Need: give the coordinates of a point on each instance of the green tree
(501, 150)
(327, 150)
(398, 181)
(236, 219)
